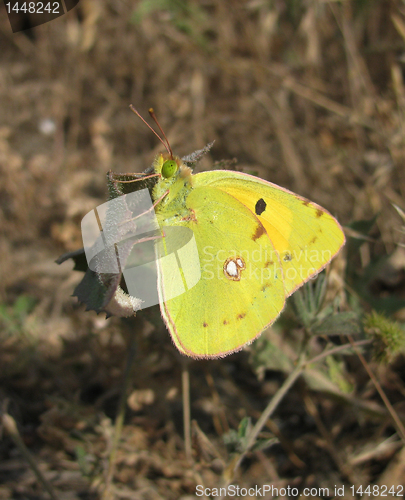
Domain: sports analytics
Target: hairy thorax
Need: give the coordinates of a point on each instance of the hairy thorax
(171, 193)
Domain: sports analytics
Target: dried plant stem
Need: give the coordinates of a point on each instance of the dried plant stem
(337, 349)
(344, 468)
(10, 426)
(288, 383)
(185, 380)
(393, 413)
(274, 402)
(119, 421)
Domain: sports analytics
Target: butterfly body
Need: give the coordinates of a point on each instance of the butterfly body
(257, 243)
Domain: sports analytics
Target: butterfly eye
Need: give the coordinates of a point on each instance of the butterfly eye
(169, 168)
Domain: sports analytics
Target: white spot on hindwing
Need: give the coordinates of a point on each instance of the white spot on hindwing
(233, 267)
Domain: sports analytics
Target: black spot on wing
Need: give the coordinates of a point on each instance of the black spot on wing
(260, 206)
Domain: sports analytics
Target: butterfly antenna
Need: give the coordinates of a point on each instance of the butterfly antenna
(167, 146)
(153, 116)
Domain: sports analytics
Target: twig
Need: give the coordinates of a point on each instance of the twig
(327, 103)
(288, 383)
(185, 380)
(337, 349)
(344, 469)
(119, 421)
(276, 399)
(284, 133)
(10, 426)
(393, 413)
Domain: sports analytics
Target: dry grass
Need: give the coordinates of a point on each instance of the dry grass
(308, 95)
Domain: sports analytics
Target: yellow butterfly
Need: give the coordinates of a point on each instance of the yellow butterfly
(257, 243)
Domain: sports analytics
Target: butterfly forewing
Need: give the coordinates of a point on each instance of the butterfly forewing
(304, 234)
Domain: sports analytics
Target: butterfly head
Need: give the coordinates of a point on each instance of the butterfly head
(175, 179)
(171, 168)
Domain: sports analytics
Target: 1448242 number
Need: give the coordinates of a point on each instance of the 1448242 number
(34, 7)
(381, 490)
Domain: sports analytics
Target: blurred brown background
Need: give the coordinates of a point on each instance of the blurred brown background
(307, 94)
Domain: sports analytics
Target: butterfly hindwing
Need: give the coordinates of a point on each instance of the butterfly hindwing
(241, 289)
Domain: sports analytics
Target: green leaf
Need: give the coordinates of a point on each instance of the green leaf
(78, 257)
(262, 444)
(319, 381)
(363, 285)
(267, 356)
(245, 426)
(187, 17)
(83, 460)
(307, 301)
(366, 282)
(13, 317)
(363, 227)
(338, 375)
(345, 323)
(96, 290)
